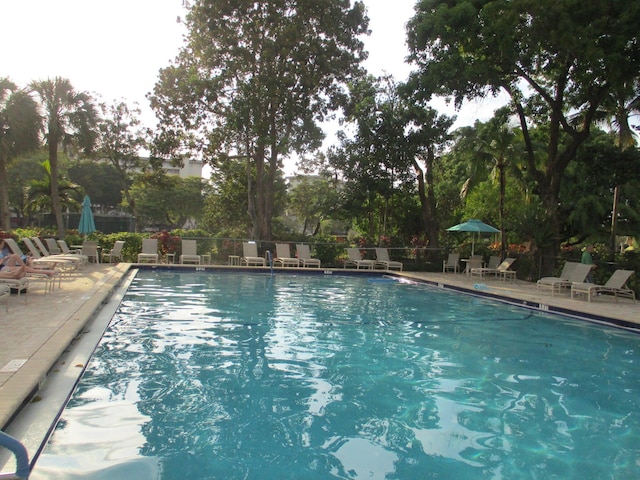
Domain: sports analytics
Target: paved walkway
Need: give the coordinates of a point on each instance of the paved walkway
(34, 335)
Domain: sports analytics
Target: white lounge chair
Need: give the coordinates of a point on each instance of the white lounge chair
(250, 252)
(149, 250)
(36, 262)
(90, 250)
(64, 263)
(490, 269)
(356, 260)
(545, 282)
(473, 263)
(39, 246)
(66, 250)
(382, 258)
(20, 285)
(115, 253)
(577, 274)
(304, 255)
(451, 263)
(495, 267)
(283, 256)
(5, 294)
(504, 270)
(616, 286)
(190, 252)
(54, 249)
(41, 263)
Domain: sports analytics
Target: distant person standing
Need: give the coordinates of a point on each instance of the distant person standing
(587, 259)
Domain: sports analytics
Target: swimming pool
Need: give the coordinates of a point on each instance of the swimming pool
(227, 375)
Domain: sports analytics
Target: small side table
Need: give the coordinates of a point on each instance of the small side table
(206, 259)
(171, 256)
(234, 260)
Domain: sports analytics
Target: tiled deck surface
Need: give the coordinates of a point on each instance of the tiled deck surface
(33, 336)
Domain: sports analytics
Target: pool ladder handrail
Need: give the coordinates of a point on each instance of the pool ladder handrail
(270, 260)
(21, 454)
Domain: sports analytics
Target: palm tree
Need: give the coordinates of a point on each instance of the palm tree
(491, 144)
(71, 119)
(20, 126)
(39, 194)
(620, 105)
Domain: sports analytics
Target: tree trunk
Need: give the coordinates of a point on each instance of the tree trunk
(134, 209)
(427, 200)
(503, 236)
(56, 208)
(614, 219)
(5, 212)
(251, 201)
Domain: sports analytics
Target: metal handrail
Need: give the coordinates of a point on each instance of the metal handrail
(20, 452)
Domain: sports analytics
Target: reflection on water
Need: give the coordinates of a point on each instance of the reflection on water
(306, 377)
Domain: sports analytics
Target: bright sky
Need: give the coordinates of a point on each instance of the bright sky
(115, 48)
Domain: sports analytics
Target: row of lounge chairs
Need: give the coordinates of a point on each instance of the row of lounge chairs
(49, 261)
(43, 267)
(150, 253)
(303, 259)
(573, 279)
(475, 266)
(382, 260)
(283, 256)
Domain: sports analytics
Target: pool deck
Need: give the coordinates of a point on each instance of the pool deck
(34, 335)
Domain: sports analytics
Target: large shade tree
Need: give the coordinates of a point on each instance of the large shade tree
(20, 126)
(70, 121)
(121, 139)
(393, 144)
(552, 58)
(169, 201)
(253, 82)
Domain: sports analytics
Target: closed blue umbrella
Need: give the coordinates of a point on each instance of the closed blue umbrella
(87, 224)
(473, 226)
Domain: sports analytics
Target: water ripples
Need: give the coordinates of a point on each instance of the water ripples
(244, 376)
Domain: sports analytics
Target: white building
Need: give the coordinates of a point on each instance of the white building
(191, 168)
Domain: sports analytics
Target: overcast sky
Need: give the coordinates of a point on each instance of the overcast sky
(115, 48)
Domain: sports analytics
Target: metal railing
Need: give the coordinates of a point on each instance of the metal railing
(21, 454)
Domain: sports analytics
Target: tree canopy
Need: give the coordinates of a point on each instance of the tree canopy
(558, 60)
(20, 126)
(254, 80)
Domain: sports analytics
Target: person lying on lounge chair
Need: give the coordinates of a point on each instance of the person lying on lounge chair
(12, 266)
(12, 272)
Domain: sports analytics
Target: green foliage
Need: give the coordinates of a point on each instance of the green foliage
(630, 260)
(98, 180)
(132, 244)
(205, 243)
(587, 191)
(326, 248)
(550, 57)
(257, 97)
(22, 172)
(20, 126)
(311, 200)
(70, 119)
(225, 209)
(168, 200)
(390, 154)
(38, 194)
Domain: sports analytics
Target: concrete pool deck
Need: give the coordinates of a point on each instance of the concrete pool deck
(33, 336)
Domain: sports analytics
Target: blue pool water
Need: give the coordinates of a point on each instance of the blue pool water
(242, 376)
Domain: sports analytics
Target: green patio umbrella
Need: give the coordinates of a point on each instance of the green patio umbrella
(86, 225)
(474, 226)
